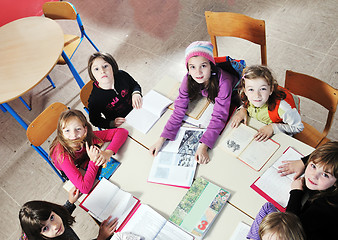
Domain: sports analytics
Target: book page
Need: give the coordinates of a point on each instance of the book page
(145, 222)
(155, 103)
(171, 232)
(258, 153)
(290, 154)
(238, 139)
(275, 186)
(141, 119)
(240, 232)
(175, 164)
(204, 120)
(108, 200)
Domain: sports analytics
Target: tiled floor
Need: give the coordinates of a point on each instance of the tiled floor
(148, 38)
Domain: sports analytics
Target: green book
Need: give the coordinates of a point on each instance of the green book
(199, 207)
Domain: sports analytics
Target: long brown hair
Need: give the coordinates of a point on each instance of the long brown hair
(64, 144)
(211, 86)
(327, 157)
(33, 214)
(258, 71)
(106, 57)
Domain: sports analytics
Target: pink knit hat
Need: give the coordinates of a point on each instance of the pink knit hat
(199, 48)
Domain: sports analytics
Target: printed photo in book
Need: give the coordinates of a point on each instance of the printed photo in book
(274, 187)
(199, 207)
(106, 199)
(241, 143)
(175, 164)
(153, 106)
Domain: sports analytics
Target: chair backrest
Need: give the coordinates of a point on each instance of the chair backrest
(85, 93)
(314, 89)
(59, 10)
(227, 24)
(45, 124)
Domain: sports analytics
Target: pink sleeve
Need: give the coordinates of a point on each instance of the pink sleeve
(116, 137)
(83, 183)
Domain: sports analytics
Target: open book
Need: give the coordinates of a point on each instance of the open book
(153, 106)
(170, 88)
(149, 224)
(175, 164)
(106, 199)
(241, 143)
(199, 207)
(240, 232)
(272, 186)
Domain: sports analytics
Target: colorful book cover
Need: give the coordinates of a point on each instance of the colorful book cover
(109, 169)
(199, 207)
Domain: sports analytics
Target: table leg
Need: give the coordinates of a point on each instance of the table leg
(3, 108)
(15, 115)
(73, 70)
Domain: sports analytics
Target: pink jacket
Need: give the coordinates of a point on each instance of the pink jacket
(116, 137)
(220, 112)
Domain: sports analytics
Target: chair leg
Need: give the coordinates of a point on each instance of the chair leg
(73, 70)
(26, 104)
(45, 156)
(51, 81)
(3, 108)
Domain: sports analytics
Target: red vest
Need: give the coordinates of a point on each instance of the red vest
(289, 99)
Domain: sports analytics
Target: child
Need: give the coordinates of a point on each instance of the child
(264, 100)
(74, 148)
(115, 93)
(203, 78)
(319, 214)
(46, 220)
(274, 225)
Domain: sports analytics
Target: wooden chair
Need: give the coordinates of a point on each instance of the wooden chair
(319, 92)
(42, 127)
(85, 93)
(66, 11)
(227, 24)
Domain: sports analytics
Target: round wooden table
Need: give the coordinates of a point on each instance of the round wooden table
(29, 49)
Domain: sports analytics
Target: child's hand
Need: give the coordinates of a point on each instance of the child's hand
(264, 133)
(93, 152)
(201, 155)
(157, 146)
(239, 117)
(136, 101)
(103, 157)
(107, 228)
(290, 167)
(118, 121)
(298, 183)
(73, 195)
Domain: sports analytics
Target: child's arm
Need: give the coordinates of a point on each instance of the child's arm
(116, 137)
(107, 228)
(154, 149)
(136, 100)
(83, 183)
(292, 122)
(202, 156)
(240, 116)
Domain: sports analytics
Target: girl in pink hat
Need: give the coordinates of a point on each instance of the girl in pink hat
(203, 78)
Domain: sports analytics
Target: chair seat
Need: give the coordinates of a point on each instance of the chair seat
(310, 135)
(70, 44)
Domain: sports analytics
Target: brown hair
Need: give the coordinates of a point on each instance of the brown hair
(286, 226)
(258, 71)
(106, 57)
(327, 157)
(211, 86)
(65, 143)
(33, 214)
